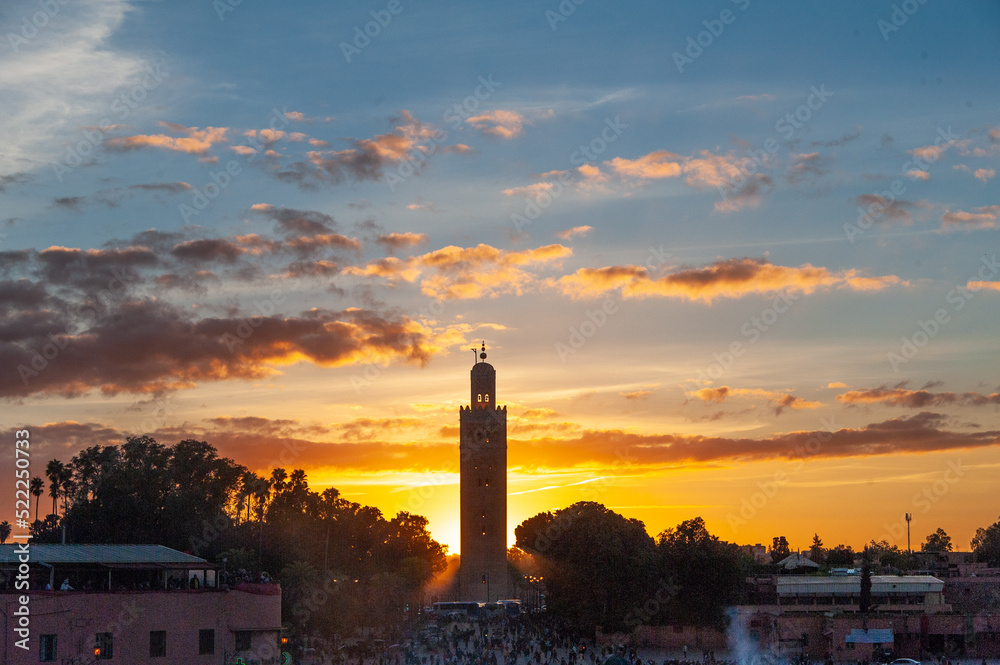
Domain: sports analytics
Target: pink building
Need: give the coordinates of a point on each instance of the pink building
(131, 604)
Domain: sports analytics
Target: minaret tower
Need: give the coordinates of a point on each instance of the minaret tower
(483, 463)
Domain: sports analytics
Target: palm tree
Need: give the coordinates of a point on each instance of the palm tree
(66, 485)
(36, 488)
(5, 529)
(54, 470)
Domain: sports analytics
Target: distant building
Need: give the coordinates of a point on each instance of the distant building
(483, 573)
(817, 617)
(758, 552)
(132, 604)
(796, 561)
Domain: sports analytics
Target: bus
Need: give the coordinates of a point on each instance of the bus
(458, 608)
(511, 608)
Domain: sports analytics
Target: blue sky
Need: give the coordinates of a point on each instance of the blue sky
(376, 218)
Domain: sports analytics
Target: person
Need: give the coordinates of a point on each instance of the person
(65, 585)
(685, 652)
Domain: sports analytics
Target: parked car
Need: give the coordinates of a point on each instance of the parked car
(905, 661)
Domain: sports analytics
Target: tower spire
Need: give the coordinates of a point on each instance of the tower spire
(482, 355)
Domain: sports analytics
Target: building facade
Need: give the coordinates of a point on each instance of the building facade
(132, 604)
(483, 575)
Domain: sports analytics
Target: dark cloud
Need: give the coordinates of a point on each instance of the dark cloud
(299, 222)
(209, 250)
(168, 187)
(22, 293)
(70, 202)
(916, 399)
(843, 140)
(882, 208)
(13, 179)
(921, 433)
(150, 346)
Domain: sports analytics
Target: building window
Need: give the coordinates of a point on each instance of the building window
(47, 648)
(480, 397)
(105, 646)
(157, 644)
(484, 515)
(243, 640)
(487, 397)
(206, 641)
(486, 482)
(479, 482)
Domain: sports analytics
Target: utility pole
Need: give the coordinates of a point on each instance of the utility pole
(909, 516)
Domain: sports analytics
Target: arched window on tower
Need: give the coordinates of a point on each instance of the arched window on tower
(481, 397)
(487, 397)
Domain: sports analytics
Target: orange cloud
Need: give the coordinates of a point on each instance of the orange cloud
(197, 142)
(459, 273)
(985, 217)
(988, 286)
(505, 124)
(529, 190)
(731, 278)
(654, 166)
(575, 231)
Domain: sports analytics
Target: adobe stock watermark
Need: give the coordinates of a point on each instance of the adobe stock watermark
(454, 115)
(563, 11)
(927, 497)
(713, 30)
(785, 126)
(42, 357)
(372, 371)
(32, 23)
(585, 154)
(751, 506)
(644, 614)
(381, 18)
(597, 318)
(899, 17)
(913, 169)
(122, 106)
(221, 179)
(562, 520)
(930, 328)
(752, 330)
(262, 309)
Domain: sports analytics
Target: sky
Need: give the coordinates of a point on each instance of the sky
(730, 259)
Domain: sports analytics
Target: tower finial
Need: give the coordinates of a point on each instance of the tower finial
(483, 354)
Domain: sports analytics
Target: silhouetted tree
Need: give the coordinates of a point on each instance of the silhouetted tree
(37, 488)
(5, 530)
(986, 544)
(54, 470)
(597, 565)
(939, 542)
(707, 574)
(816, 551)
(779, 549)
(841, 555)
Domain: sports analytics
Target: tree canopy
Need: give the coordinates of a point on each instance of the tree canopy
(187, 497)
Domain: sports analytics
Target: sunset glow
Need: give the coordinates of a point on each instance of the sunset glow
(756, 285)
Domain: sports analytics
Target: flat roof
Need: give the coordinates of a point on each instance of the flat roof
(800, 585)
(156, 555)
